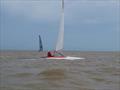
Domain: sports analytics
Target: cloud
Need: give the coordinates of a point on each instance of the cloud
(38, 10)
(49, 10)
(93, 11)
(91, 21)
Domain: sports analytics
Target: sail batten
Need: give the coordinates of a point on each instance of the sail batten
(60, 41)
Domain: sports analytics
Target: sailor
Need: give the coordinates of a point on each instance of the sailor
(49, 54)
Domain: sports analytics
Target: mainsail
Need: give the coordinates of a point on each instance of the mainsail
(59, 45)
(40, 44)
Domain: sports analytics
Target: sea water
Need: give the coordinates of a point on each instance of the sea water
(27, 71)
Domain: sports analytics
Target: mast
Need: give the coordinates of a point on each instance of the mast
(59, 45)
(40, 44)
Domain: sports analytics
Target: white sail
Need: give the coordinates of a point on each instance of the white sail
(59, 46)
(60, 41)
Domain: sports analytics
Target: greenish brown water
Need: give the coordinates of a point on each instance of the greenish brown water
(27, 71)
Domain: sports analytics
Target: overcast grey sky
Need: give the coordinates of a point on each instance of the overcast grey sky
(89, 24)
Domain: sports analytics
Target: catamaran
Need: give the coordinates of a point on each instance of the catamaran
(57, 53)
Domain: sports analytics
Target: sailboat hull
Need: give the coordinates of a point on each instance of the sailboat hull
(66, 58)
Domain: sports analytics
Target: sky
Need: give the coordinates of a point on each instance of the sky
(90, 25)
